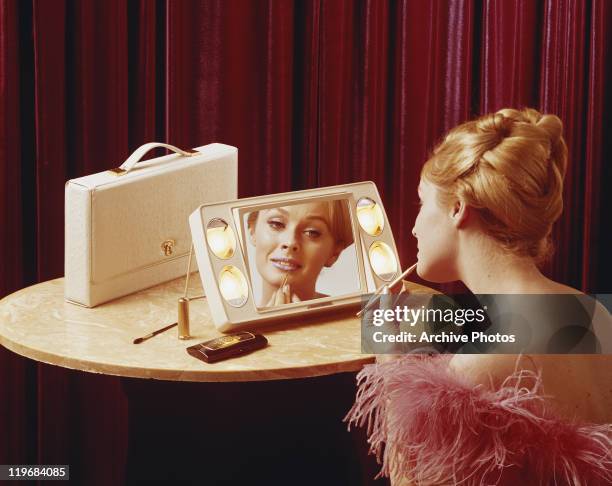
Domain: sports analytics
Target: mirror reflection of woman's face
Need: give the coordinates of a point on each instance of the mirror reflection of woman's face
(294, 241)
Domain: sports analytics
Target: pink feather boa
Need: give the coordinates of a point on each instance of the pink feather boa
(441, 430)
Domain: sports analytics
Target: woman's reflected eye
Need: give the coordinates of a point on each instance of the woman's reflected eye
(312, 233)
(276, 224)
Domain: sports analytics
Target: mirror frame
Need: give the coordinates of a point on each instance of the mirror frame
(228, 318)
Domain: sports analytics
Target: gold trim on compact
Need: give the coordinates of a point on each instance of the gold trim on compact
(168, 247)
(227, 341)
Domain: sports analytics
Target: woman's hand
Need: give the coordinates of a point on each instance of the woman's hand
(283, 295)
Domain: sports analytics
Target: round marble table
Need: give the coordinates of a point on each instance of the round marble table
(37, 323)
(263, 416)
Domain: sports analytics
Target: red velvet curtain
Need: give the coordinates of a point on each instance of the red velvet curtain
(313, 93)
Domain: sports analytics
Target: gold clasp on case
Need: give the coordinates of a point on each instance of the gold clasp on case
(168, 247)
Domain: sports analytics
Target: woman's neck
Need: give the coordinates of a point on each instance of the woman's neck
(487, 268)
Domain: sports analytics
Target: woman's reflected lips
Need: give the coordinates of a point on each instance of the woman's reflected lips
(286, 264)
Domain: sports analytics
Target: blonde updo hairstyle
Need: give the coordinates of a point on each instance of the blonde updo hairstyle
(508, 166)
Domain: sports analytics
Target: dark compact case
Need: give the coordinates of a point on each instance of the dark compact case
(228, 346)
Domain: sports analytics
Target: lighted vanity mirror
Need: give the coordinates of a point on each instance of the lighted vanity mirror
(298, 253)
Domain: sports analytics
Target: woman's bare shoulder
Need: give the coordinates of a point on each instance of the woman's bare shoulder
(552, 287)
(576, 386)
(489, 369)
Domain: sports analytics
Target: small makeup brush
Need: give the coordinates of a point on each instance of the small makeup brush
(380, 289)
(154, 333)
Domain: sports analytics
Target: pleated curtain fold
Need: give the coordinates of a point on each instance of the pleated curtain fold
(313, 93)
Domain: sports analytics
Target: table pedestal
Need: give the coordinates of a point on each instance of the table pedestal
(275, 432)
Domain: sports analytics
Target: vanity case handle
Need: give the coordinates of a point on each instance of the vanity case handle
(140, 152)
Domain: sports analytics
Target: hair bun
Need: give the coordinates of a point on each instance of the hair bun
(553, 127)
(550, 124)
(495, 123)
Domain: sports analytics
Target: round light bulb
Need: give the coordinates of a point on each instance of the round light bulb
(218, 242)
(233, 286)
(382, 260)
(370, 216)
(220, 237)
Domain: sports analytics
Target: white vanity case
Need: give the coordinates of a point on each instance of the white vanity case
(127, 229)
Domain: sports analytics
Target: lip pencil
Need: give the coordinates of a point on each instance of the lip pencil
(376, 295)
(279, 296)
(154, 333)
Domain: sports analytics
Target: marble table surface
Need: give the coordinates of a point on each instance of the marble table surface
(37, 323)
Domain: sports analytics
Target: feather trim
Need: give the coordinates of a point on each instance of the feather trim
(439, 429)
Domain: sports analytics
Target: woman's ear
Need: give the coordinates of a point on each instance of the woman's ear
(460, 213)
(252, 235)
